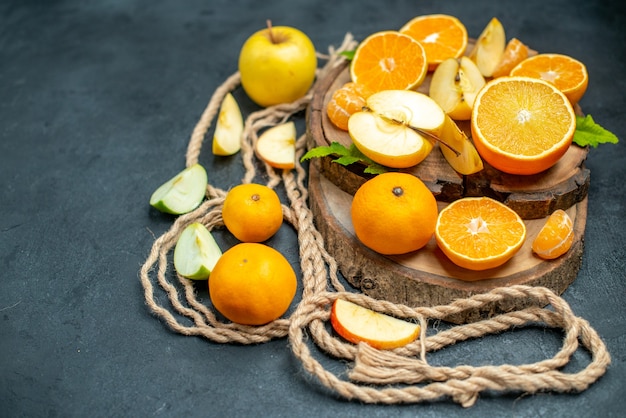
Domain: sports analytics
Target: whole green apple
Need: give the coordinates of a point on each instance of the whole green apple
(277, 65)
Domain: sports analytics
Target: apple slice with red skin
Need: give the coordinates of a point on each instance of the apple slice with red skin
(358, 324)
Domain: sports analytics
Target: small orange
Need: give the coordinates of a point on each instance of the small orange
(522, 125)
(442, 37)
(514, 53)
(555, 237)
(394, 213)
(389, 60)
(252, 212)
(479, 233)
(566, 73)
(346, 100)
(252, 284)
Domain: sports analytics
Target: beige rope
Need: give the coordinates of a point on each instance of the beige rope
(374, 376)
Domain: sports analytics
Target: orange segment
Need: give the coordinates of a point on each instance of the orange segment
(479, 233)
(442, 37)
(514, 53)
(566, 73)
(522, 125)
(389, 60)
(555, 237)
(346, 100)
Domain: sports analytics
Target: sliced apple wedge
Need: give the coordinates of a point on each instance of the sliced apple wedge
(196, 252)
(229, 127)
(467, 161)
(397, 128)
(277, 146)
(489, 48)
(182, 193)
(358, 324)
(454, 86)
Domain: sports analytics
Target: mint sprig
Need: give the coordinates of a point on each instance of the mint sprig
(589, 133)
(345, 156)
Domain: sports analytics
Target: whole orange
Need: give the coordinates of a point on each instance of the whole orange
(252, 284)
(394, 213)
(252, 212)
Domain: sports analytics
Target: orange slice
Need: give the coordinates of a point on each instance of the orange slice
(514, 53)
(566, 73)
(389, 60)
(479, 233)
(522, 125)
(442, 37)
(555, 237)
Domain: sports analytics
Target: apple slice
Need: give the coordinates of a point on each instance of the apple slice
(277, 146)
(489, 48)
(358, 324)
(454, 86)
(196, 252)
(467, 161)
(397, 127)
(229, 127)
(182, 193)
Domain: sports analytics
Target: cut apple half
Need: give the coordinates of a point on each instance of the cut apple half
(277, 146)
(358, 324)
(454, 86)
(182, 193)
(489, 48)
(397, 128)
(467, 161)
(196, 252)
(229, 128)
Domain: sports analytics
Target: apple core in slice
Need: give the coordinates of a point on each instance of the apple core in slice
(277, 146)
(196, 252)
(182, 193)
(229, 127)
(359, 324)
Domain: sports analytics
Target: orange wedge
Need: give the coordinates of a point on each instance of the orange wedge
(479, 233)
(442, 37)
(555, 237)
(566, 73)
(522, 125)
(389, 60)
(514, 53)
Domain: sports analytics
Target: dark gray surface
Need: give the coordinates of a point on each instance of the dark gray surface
(98, 99)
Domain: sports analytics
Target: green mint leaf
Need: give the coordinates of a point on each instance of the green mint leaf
(588, 132)
(334, 148)
(375, 169)
(347, 160)
(345, 156)
(349, 55)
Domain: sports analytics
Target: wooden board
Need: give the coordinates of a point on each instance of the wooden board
(427, 277)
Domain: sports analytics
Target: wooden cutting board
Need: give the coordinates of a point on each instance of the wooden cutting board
(427, 277)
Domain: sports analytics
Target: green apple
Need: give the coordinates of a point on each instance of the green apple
(196, 252)
(182, 193)
(277, 65)
(229, 127)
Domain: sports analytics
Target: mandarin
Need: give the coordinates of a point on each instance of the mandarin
(442, 37)
(252, 212)
(252, 284)
(514, 53)
(389, 60)
(394, 213)
(345, 101)
(555, 237)
(479, 233)
(566, 73)
(522, 125)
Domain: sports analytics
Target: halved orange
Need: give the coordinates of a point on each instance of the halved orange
(522, 125)
(442, 37)
(479, 233)
(514, 53)
(555, 237)
(568, 74)
(389, 60)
